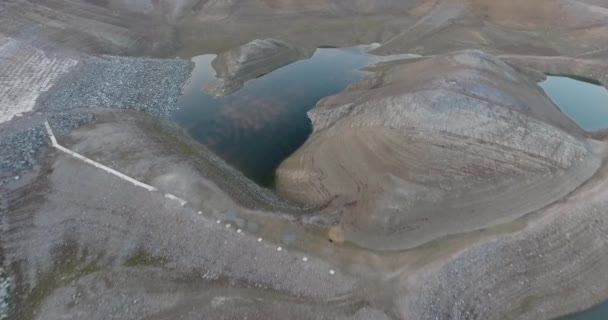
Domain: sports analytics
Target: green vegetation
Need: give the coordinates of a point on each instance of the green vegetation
(59, 276)
(141, 258)
(67, 268)
(69, 264)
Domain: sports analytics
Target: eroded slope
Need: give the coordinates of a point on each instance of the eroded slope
(437, 147)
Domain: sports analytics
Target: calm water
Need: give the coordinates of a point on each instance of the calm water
(259, 126)
(585, 103)
(596, 313)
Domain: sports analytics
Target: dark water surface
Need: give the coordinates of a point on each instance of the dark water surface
(599, 312)
(259, 126)
(584, 102)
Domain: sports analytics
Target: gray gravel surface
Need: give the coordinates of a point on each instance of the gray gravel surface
(64, 123)
(149, 85)
(4, 294)
(505, 276)
(121, 220)
(20, 150)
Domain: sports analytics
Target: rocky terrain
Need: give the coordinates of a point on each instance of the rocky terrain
(435, 147)
(27, 72)
(257, 58)
(418, 160)
(445, 185)
(83, 27)
(191, 27)
(152, 86)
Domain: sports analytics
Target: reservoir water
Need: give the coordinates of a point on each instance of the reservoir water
(586, 103)
(257, 127)
(599, 312)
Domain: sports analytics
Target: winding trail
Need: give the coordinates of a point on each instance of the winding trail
(107, 169)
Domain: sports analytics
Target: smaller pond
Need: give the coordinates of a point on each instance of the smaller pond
(586, 103)
(263, 123)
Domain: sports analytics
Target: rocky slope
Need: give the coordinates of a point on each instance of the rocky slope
(459, 158)
(193, 27)
(543, 27)
(256, 58)
(548, 27)
(437, 147)
(84, 27)
(550, 268)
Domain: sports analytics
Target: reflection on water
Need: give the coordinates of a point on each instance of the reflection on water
(585, 103)
(257, 127)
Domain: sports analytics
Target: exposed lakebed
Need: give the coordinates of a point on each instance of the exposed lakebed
(584, 102)
(257, 127)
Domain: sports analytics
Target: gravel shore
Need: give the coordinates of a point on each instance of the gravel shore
(149, 85)
(4, 294)
(20, 150)
(64, 123)
(143, 84)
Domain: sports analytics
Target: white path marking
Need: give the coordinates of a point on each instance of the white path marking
(101, 166)
(181, 201)
(135, 182)
(51, 134)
